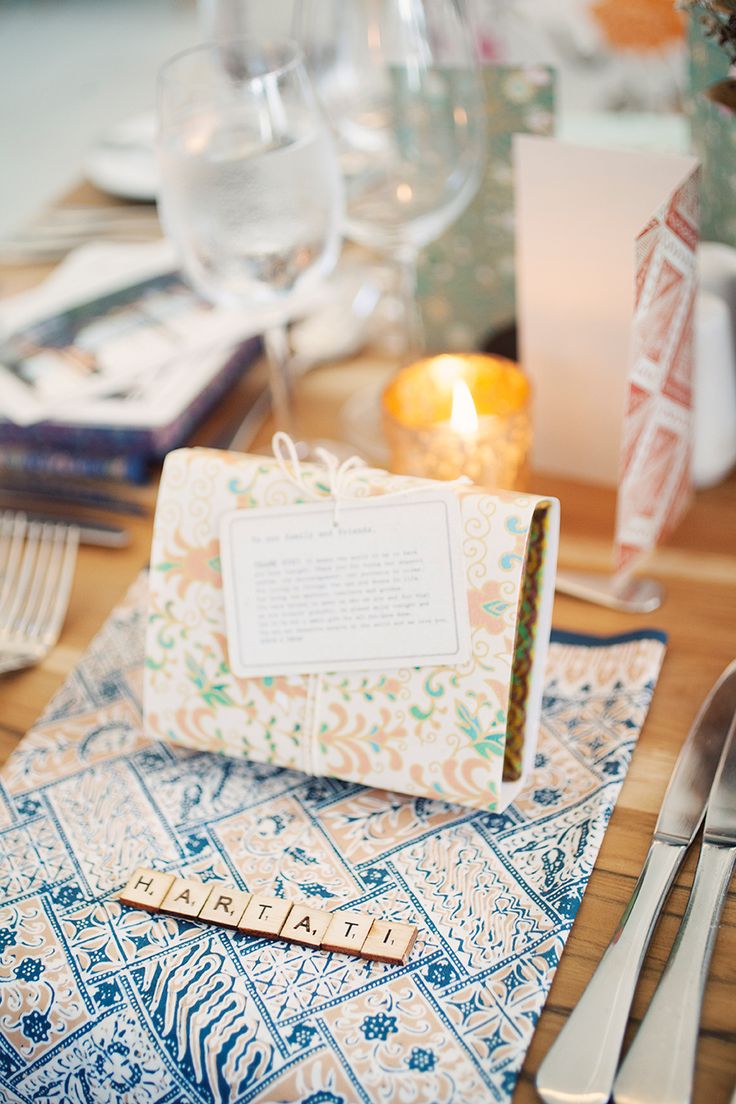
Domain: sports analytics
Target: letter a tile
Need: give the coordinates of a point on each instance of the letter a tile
(264, 915)
(389, 941)
(146, 888)
(186, 897)
(347, 931)
(225, 905)
(306, 925)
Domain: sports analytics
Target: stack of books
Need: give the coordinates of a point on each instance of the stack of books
(98, 390)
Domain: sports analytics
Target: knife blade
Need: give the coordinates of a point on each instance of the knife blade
(581, 1064)
(660, 1064)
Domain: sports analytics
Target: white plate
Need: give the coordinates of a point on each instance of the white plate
(123, 161)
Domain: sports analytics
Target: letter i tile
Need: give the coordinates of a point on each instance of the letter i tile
(146, 888)
(186, 898)
(306, 925)
(389, 941)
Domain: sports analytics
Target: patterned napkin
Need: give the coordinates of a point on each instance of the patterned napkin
(101, 1003)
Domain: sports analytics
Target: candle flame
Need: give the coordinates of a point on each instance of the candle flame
(464, 417)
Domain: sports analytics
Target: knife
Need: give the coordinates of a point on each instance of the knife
(581, 1064)
(661, 1060)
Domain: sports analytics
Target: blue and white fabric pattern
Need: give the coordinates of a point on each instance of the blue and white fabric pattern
(103, 1004)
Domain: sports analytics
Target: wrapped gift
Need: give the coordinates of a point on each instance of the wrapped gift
(463, 730)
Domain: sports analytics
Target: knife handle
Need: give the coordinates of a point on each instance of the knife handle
(581, 1064)
(660, 1062)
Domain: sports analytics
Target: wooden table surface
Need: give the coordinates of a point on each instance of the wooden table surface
(698, 569)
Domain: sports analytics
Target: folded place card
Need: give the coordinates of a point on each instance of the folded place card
(605, 291)
(394, 636)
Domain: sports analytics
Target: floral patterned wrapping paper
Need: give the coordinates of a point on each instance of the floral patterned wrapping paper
(103, 1004)
(435, 731)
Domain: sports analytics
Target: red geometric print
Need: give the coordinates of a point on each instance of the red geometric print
(682, 215)
(678, 384)
(637, 416)
(655, 473)
(662, 310)
(680, 500)
(646, 245)
(625, 555)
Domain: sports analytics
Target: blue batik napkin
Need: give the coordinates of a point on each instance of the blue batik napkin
(103, 1003)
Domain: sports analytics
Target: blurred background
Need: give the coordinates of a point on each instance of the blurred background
(70, 69)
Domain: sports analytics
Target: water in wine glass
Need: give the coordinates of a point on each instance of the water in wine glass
(254, 215)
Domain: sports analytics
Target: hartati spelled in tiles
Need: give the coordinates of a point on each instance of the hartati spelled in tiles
(225, 905)
(264, 915)
(186, 897)
(306, 925)
(346, 931)
(146, 888)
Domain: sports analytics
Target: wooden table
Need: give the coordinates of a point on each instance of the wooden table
(698, 568)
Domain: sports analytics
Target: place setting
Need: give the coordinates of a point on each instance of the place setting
(367, 561)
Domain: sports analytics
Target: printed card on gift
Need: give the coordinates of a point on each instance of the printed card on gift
(605, 291)
(394, 635)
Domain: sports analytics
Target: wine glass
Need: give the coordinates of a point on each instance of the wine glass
(400, 84)
(251, 191)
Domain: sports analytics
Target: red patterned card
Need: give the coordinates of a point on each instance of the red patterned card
(606, 290)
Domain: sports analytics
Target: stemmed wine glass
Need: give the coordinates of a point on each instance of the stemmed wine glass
(399, 82)
(251, 191)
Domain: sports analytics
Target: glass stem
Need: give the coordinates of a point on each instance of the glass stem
(278, 354)
(413, 327)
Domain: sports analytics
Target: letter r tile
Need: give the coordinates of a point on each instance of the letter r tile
(146, 888)
(264, 915)
(225, 905)
(389, 941)
(186, 897)
(306, 925)
(347, 931)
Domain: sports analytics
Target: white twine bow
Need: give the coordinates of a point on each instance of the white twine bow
(342, 478)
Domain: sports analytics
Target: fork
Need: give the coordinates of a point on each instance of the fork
(37, 561)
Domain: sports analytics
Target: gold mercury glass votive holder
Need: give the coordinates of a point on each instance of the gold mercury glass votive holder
(452, 415)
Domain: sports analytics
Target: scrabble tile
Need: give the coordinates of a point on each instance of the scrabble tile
(264, 915)
(306, 925)
(146, 888)
(389, 941)
(186, 897)
(225, 905)
(347, 931)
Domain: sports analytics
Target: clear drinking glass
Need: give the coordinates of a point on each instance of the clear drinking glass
(251, 191)
(400, 84)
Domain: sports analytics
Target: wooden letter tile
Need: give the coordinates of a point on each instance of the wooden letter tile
(389, 941)
(264, 915)
(347, 931)
(225, 905)
(186, 897)
(306, 925)
(146, 888)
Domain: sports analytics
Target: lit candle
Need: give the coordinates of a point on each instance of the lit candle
(448, 416)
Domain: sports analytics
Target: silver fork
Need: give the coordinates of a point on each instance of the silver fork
(37, 561)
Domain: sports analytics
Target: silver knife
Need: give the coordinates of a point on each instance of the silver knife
(660, 1064)
(581, 1064)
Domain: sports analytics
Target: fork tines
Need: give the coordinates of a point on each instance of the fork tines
(37, 561)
